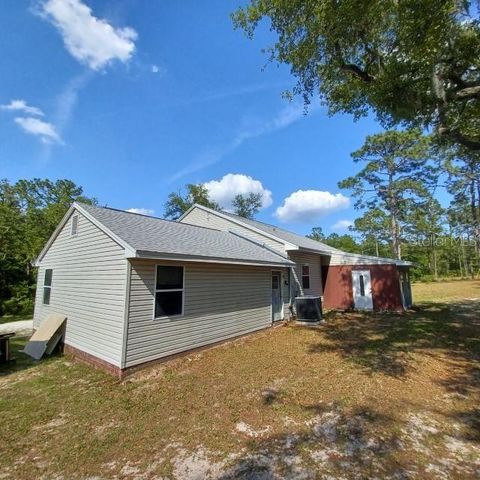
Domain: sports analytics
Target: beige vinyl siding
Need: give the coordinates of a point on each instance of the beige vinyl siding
(202, 218)
(220, 301)
(346, 259)
(313, 260)
(88, 286)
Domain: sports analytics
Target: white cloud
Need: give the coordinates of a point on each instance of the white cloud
(223, 191)
(141, 211)
(309, 205)
(341, 225)
(44, 130)
(21, 106)
(90, 40)
(285, 117)
(155, 68)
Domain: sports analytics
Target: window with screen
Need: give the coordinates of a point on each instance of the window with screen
(47, 286)
(306, 276)
(169, 290)
(74, 230)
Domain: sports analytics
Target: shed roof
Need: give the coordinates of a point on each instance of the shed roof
(154, 237)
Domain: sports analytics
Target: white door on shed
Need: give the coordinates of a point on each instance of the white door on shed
(362, 289)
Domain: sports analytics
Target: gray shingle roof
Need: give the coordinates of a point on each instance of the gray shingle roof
(153, 235)
(290, 237)
(308, 243)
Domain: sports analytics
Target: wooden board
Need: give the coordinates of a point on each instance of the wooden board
(46, 337)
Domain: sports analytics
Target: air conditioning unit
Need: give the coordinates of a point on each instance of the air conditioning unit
(308, 308)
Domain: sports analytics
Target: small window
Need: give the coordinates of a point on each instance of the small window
(306, 276)
(362, 286)
(74, 230)
(169, 291)
(275, 282)
(47, 286)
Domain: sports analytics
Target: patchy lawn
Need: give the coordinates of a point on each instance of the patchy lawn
(446, 290)
(15, 318)
(385, 396)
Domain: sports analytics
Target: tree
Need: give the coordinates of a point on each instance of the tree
(317, 234)
(373, 226)
(247, 206)
(30, 210)
(414, 62)
(425, 230)
(343, 242)
(395, 179)
(463, 167)
(179, 203)
(463, 184)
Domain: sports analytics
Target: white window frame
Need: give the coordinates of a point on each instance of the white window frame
(47, 286)
(309, 277)
(168, 290)
(72, 233)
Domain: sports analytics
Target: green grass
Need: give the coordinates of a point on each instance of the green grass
(15, 318)
(348, 390)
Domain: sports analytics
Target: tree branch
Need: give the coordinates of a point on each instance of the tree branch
(468, 92)
(358, 72)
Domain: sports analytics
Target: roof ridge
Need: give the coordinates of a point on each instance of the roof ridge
(147, 216)
(275, 227)
(255, 220)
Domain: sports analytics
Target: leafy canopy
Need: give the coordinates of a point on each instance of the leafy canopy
(395, 180)
(247, 206)
(178, 203)
(416, 63)
(30, 210)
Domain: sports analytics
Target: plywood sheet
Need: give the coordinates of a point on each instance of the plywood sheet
(46, 336)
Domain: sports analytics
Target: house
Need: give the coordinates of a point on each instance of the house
(343, 280)
(136, 288)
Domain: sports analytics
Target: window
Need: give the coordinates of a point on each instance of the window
(74, 230)
(169, 291)
(306, 276)
(362, 286)
(47, 286)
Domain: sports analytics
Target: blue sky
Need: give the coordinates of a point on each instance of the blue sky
(133, 99)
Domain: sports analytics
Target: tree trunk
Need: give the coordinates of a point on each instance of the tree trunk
(394, 227)
(435, 270)
(475, 219)
(460, 263)
(394, 231)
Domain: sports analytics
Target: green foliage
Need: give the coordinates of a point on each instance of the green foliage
(30, 210)
(394, 183)
(247, 206)
(21, 300)
(317, 234)
(414, 62)
(344, 242)
(179, 203)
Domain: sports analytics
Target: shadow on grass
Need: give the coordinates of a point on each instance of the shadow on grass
(21, 361)
(383, 342)
(335, 442)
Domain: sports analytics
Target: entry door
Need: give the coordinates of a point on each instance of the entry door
(277, 305)
(362, 289)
